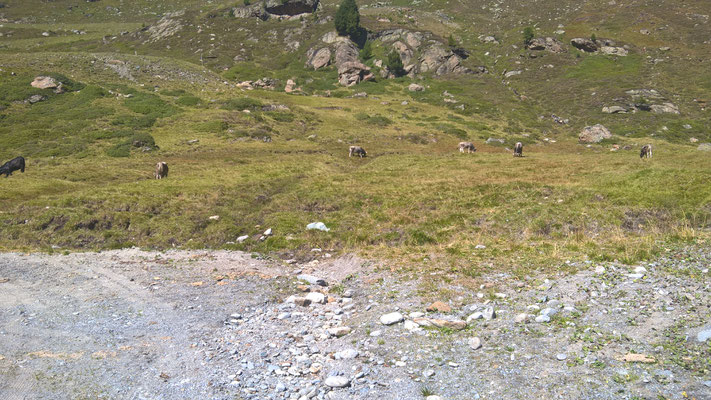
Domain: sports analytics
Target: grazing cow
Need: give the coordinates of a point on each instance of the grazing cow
(518, 150)
(357, 150)
(161, 170)
(646, 151)
(466, 146)
(13, 165)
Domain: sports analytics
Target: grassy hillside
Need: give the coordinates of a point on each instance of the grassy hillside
(132, 101)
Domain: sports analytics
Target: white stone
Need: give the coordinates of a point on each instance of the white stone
(392, 318)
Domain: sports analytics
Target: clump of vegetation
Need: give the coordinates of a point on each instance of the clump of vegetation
(394, 63)
(188, 101)
(366, 53)
(527, 35)
(378, 120)
(150, 104)
(242, 103)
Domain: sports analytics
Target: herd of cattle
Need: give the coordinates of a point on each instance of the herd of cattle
(18, 163)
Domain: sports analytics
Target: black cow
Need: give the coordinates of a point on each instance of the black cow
(13, 165)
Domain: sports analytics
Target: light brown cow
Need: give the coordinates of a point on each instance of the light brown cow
(357, 150)
(161, 170)
(646, 151)
(518, 150)
(466, 146)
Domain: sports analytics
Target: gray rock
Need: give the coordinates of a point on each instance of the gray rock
(704, 335)
(428, 373)
(704, 147)
(474, 343)
(614, 110)
(352, 73)
(543, 318)
(347, 354)
(584, 44)
(613, 51)
(318, 58)
(561, 356)
(392, 318)
(337, 381)
(415, 87)
(316, 297)
(665, 108)
(489, 313)
(594, 134)
(312, 279)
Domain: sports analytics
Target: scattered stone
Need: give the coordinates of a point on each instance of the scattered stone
(638, 358)
(317, 226)
(339, 331)
(428, 373)
(311, 279)
(704, 335)
(439, 307)
(302, 301)
(337, 381)
(456, 325)
(415, 87)
(36, 98)
(347, 354)
(316, 297)
(561, 356)
(475, 343)
(665, 108)
(543, 319)
(512, 73)
(392, 318)
(521, 318)
(489, 313)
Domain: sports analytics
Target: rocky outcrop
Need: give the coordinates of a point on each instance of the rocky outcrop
(279, 8)
(585, 45)
(346, 51)
(290, 7)
(664, 108)
(318, 58)
(353, 72)
(441, 61)
(167, 26)
(548, 43)
(594, 134)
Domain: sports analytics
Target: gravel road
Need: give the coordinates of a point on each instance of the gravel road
(129, 324)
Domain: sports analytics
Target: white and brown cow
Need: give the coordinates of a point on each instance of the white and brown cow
(161, 170)
(466, 147)
(356, 150)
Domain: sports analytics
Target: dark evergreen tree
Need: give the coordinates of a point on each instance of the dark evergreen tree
(347, 19)
(394, 63)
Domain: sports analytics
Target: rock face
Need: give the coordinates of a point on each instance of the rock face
(585, 45)
(167, 26)
(441, 61)
(290, 7)
(353, 72)
(594, 134)
(318, 58)
(346, 51)
(263, 10)
(548, 43)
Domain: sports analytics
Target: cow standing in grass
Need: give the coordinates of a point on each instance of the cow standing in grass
(518, 150)
(466, 146)
(17, 163)
(161, 170)
(356, 150)
(646, 151)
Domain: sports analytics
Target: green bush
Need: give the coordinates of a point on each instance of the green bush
(150, 104)
(347, 19)
(119, 150)
(134, 122)
(242, 103)
(527, 35)
(366, 53)
(188, 101)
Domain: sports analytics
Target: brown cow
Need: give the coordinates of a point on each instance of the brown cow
(466, 146)
(646, 151)
(161, 170)
(357, 150)
(518, 150)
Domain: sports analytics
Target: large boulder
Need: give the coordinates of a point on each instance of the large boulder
(353, 72)
(584, 44)
(440, 61)
(405, 52)
(346, 52)
(665, 108)
(318, 58)
(594, 134)
(45, 82)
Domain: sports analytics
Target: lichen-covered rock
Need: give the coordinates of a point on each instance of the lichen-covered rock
(594, 134)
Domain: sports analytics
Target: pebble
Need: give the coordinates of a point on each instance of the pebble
(704, 335)
(489, 313)
(392, 318)
(561, 356)
(475, 343)
(312, 279)
(347, 354)
(428, 373)
(337, 381)
(543, 318)
(475, 316)
(316, 297)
